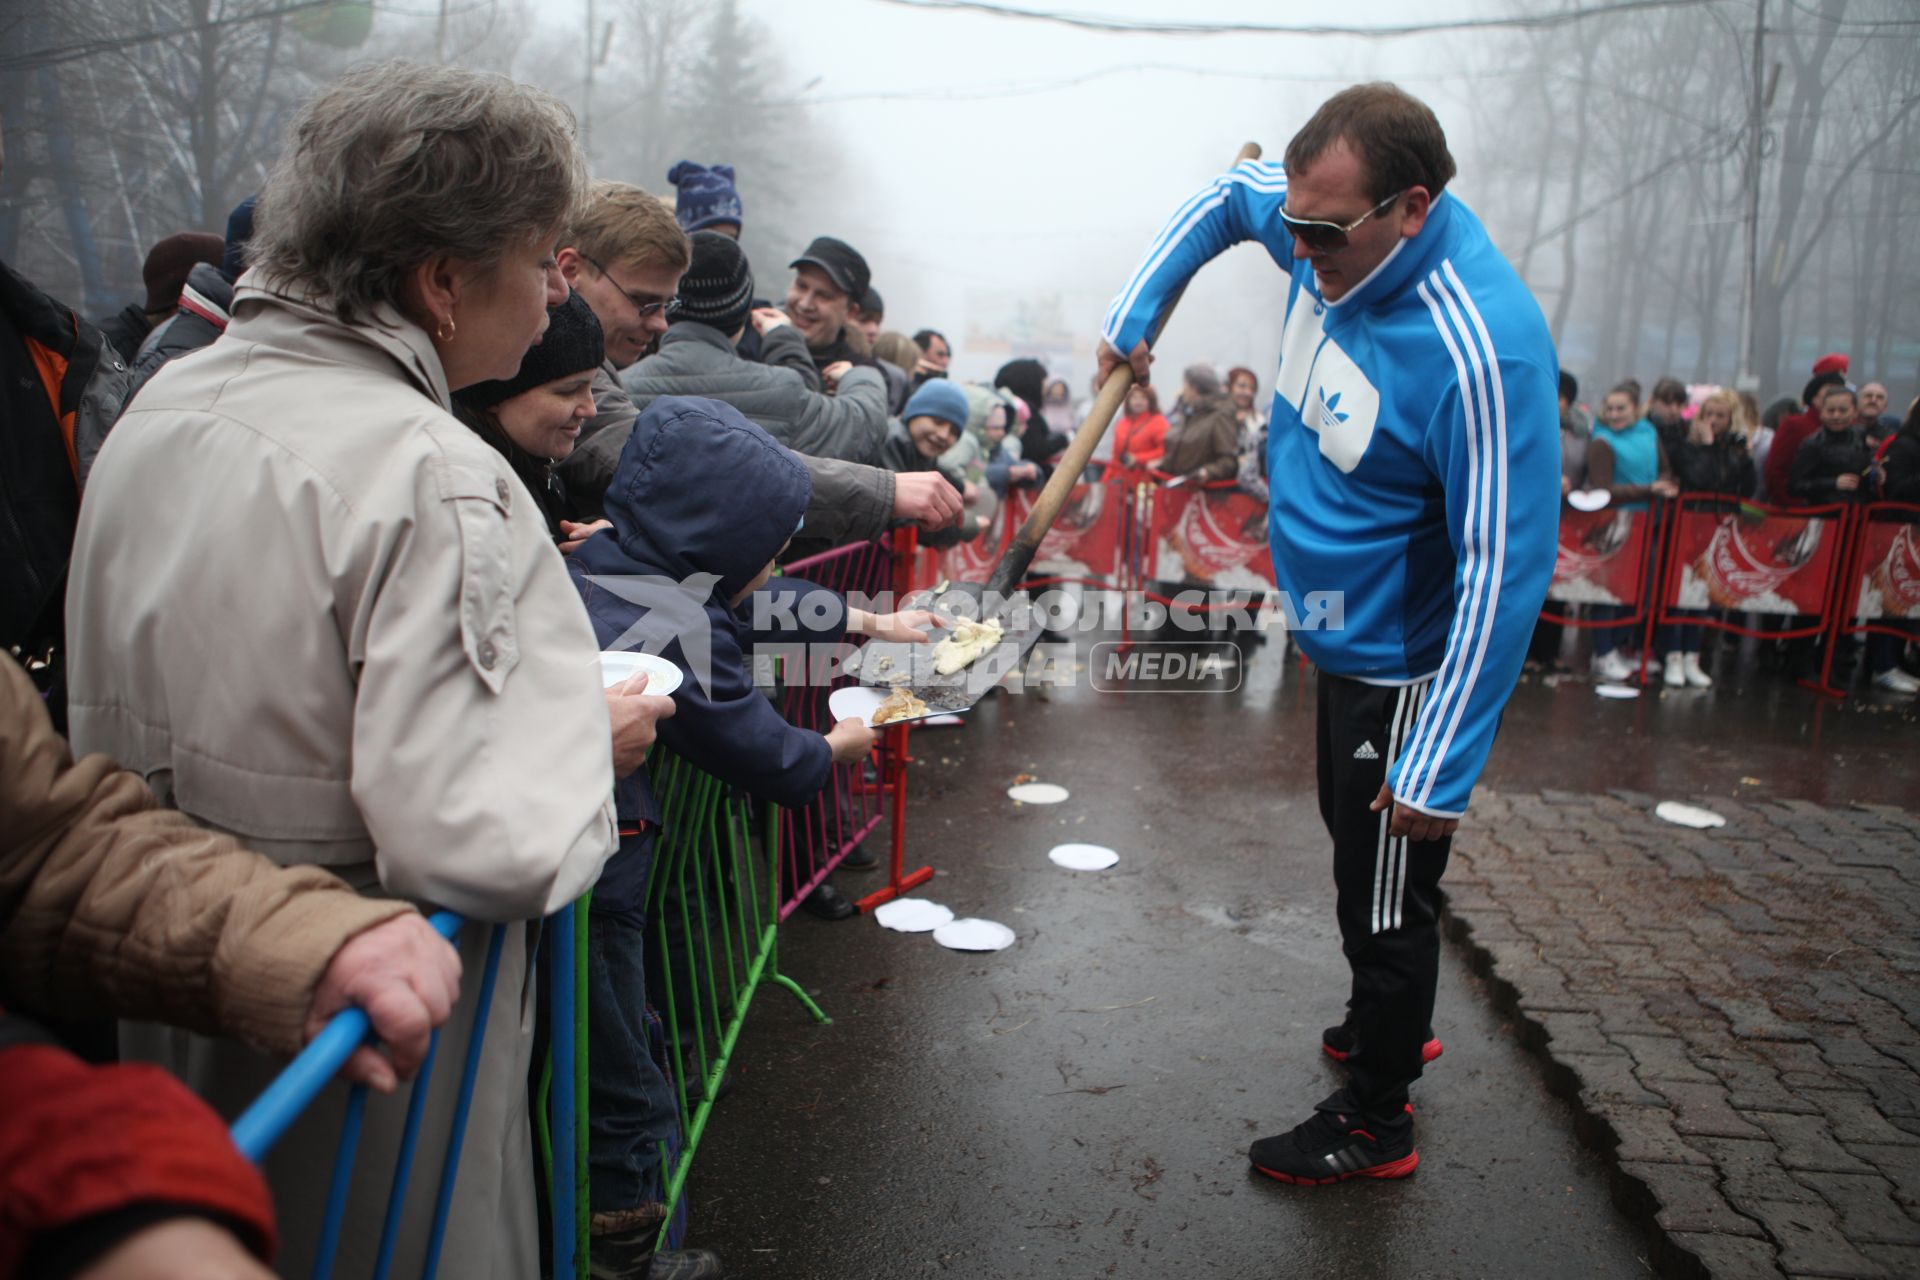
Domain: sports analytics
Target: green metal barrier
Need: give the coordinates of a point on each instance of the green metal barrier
(713, 917)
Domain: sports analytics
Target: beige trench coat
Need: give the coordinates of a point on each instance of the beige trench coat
(317, 612)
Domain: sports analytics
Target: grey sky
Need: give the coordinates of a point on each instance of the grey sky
(966, 203)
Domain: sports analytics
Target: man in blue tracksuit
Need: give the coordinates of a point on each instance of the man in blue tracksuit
(1413, 456)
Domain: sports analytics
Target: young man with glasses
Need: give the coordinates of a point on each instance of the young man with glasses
(1412, 452)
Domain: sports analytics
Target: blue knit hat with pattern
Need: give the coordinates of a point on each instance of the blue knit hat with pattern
(704, 197)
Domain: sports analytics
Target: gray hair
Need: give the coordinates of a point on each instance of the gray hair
(398, 163)
(1203, 379)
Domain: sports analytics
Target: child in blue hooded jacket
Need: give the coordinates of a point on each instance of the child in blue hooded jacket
(701, 503)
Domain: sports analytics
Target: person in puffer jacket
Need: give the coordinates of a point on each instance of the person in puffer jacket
(700, 504)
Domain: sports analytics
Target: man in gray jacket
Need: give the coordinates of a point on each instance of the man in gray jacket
(697, 358)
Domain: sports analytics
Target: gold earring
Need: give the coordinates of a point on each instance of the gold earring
(445, 331)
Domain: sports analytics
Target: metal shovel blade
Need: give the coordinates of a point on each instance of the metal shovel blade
(884, 663)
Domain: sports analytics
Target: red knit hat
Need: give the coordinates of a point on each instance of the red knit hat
(1834, 362)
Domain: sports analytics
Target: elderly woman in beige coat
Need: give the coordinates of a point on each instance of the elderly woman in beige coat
(317, 612)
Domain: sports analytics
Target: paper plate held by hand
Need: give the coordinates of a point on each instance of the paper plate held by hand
(1589, 499)
(1037, 793)
(1083, 857)
(662, 676)
(1687, 815)
(859, 702)
(912, 915)
(974, 935)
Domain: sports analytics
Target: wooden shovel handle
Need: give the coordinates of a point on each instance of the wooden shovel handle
(1066, 474)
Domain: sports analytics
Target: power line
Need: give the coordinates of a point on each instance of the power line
(1024, 88)
(1132, 26)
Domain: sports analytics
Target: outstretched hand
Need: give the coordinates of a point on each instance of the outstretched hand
(1411, 823)
(905, 626)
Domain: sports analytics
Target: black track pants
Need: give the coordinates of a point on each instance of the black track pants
(1387, 902)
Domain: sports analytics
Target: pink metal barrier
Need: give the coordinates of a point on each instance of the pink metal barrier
(815, 839)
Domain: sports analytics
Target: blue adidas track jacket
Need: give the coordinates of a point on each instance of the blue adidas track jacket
(1414, 459)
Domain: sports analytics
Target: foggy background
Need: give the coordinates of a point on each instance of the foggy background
(1002, 174)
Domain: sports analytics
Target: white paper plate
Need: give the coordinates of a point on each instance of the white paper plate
(662, 676)
(1037, 793)
(974, 935)
(1083, 857)
(1687, 815)
(912, 915)
(1589, 499)
(1616, 691)
(859, 702)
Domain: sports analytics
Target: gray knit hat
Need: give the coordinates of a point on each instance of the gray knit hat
(718, 287)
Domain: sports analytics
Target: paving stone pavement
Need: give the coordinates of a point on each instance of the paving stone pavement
(1734, 1014)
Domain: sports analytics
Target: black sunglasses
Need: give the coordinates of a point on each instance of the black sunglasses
(1325, 237)
(668, 305)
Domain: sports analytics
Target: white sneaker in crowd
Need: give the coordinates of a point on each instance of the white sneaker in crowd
(1895, 680)
(1697, 677)
(1611, 668)
(1676, 669)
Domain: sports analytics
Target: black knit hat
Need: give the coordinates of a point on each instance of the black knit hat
(572, 344)
(718, 287)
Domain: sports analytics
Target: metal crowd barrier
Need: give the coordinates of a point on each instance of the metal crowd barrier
(267, 1119)
(714, 907)
(815, 839)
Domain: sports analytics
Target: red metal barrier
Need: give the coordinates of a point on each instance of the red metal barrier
(894, 760)
(1602, 559)
(1211, 536)
(1722, 557)
(1879, 585)
(817, 838)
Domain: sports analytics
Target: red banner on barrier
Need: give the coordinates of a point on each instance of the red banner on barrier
(1602, 557)
(1085, 539)
(1889, 563)
(1779, 563)
(1217, 537)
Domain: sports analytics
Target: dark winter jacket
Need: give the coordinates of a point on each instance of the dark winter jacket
(851, 502)
(61, 387)
(1823, 458)
(125, 330)
(701, 501)
(698, 360)
(202, 317)
(1900, 467)
(1725, 466)
(1205, 443)
(841, 348)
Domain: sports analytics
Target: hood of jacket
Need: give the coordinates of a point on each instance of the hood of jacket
(699, 489)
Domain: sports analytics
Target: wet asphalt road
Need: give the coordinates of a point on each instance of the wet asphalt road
(1080, 1104)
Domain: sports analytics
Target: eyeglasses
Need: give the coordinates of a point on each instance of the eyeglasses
(644, 309)
(1326, 237)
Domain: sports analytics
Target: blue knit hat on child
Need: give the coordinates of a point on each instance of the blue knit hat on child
(705, 197)
(938, 398)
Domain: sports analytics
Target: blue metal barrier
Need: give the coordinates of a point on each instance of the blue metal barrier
(264, 1122)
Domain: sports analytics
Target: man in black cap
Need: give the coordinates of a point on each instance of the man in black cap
(828, 281)
(698, 357)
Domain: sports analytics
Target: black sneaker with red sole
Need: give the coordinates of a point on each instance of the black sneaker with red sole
(1338, 1043)
(1335, 1144)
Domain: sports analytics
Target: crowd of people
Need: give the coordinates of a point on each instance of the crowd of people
(1835, 444)
(432, 398)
